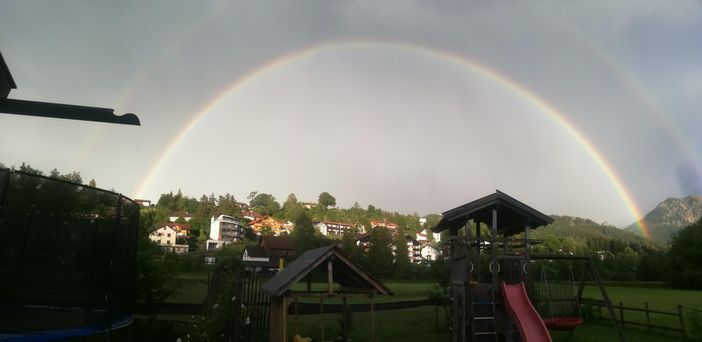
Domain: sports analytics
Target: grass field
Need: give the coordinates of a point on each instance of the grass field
(418, 324)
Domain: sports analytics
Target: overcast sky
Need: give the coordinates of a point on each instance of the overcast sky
(413, 106)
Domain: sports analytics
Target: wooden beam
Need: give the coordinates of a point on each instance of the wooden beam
(330, 277)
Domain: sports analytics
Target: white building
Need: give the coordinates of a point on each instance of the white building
(164, 236)
(334, 228)
(429, 253)
(423, 236)
(224, 230)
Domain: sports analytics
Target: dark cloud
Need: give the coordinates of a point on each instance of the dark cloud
(689, 179)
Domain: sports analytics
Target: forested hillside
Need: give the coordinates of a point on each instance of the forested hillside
(584, 236)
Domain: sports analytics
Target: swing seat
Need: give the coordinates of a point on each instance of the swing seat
(563, 323)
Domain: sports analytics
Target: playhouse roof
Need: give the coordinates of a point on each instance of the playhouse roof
(512, 215)
(347, 273)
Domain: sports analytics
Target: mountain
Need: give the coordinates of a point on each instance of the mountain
(670, 216)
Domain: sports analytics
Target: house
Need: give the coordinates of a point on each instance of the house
(143, 203)
(181, 229)
(423, 236)
(278, 227)
(166, 238)
(414, 249)
(309, 205)
(256, 260)
(271, 253)
(330, 228)
(224, 230)
(278, 247)
(429, 252)
(363, 241)
(251, 215)
(174, 216)
(392, 227)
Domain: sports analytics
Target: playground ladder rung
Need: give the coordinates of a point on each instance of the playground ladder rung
(486, 333)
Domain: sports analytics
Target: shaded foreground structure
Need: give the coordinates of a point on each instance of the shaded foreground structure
(55, 110)
(489, 245)
(67, 258)
(354, 282)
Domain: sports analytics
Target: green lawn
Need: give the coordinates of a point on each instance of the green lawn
(191, 287)
(417, 324)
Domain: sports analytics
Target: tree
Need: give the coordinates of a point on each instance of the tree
(380, 253)
(28, 169)
(292, 208)
(685, 257)
(226, 205)
(403, 265)
(326, 200)
(431, 220)
(304, 234)
(264, 204)
(155, 271)
(92, 183)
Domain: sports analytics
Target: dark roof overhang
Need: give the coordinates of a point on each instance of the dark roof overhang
(512, 215)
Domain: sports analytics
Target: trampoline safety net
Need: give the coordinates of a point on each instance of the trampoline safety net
(67, 256)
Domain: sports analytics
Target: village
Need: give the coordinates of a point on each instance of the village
(269, 231)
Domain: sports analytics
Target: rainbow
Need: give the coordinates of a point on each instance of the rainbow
(442, 55)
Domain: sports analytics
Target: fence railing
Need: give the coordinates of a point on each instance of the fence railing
(648, 312)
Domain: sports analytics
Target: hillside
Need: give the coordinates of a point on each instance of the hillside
(580, 235)
(670, 216)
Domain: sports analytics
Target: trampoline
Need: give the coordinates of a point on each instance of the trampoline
(67, 258)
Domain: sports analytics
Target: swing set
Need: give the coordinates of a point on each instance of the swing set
(558, 299)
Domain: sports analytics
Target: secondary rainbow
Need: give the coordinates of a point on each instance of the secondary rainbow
(445, 56)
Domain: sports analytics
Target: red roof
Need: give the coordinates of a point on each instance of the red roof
(175, 225)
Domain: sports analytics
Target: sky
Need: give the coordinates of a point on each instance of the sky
(582, 108)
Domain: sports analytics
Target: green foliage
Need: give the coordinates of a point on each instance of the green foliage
(155, 268)
(694, 319)
(685, 258)
(353, 251)
(403, 265)
(304, 234)
(264, 204)
(226, 205)
(380, 253)
(326, 200)
(292, 208)
(345, 324)
(222, 317)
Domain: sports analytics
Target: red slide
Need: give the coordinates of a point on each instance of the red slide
(531, 326)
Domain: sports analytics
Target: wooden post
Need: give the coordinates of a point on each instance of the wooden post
(527, 253)
(494, 264)
(278, 324)
(621, 313)
(330, 278)
(682, 320)
(477, 250)
(372, 315)
(321, 311)
(648, 317)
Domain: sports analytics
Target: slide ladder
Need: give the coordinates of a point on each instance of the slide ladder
(484, 324)
(530, 325)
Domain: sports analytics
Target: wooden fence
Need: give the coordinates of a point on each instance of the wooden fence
(621, 309)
